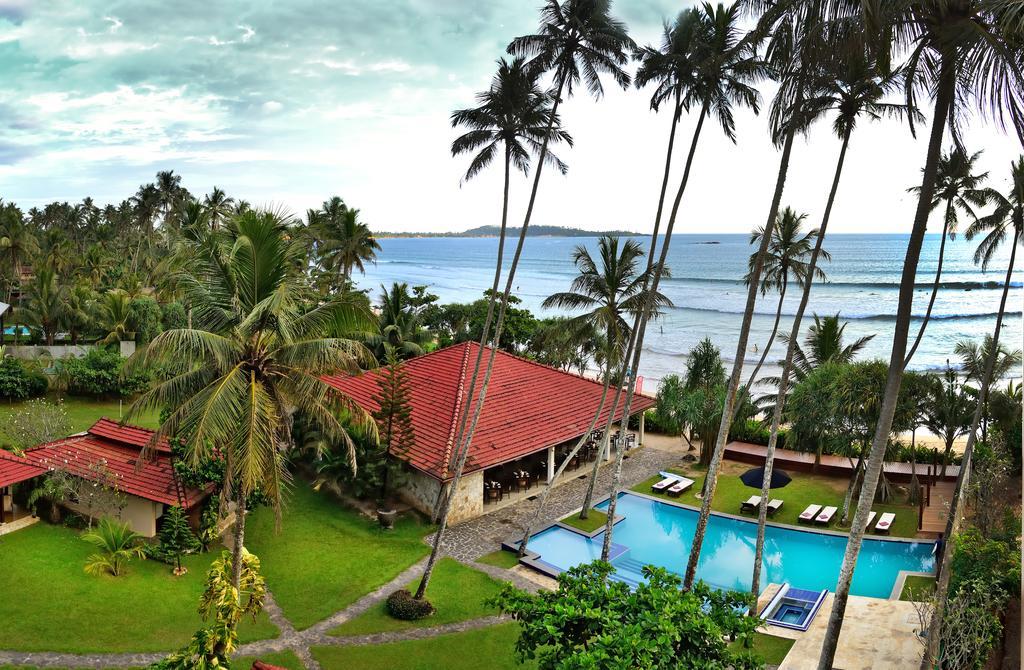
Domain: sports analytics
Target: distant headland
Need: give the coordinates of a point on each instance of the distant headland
(533, 231)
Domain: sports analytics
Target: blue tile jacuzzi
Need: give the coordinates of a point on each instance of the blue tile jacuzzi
(793, 608)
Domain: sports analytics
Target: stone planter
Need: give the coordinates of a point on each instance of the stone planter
(386, 518)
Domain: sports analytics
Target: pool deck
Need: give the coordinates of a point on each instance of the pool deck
(868, 621)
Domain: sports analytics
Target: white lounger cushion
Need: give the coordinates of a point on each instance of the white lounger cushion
(752, 501)
(810, 512)
(826, 514)
(664, 483)
(775, 504)
(682, 484)
(885, 521)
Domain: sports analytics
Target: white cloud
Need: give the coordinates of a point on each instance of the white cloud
(272, 106)
(247, 32)
(115, 23)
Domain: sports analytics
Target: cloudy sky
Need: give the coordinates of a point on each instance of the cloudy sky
(287, 103)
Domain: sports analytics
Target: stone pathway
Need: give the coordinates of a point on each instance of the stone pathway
(472, 539)
(465, 542)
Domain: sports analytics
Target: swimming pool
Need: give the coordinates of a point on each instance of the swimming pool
(656, 533)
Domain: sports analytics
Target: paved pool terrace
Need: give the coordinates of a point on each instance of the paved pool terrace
(656, 531)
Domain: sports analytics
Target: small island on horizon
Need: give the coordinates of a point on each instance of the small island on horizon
(532, 231)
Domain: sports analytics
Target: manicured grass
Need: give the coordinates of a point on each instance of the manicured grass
(917, 586)
(83, 412)
(500, 558)
(804, 490)
(594, 520)
(770, 648)
(492, 648)
(456, 591)
(284, 659)
(51, 604)
(327, 556)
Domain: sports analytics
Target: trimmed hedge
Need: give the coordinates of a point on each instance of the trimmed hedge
(401, 605)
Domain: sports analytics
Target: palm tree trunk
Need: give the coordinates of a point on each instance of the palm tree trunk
(588, 498)
(629, 374)
(238, 543)
(787, 368)
(441, 496)
(943, 99)
(711, 481)
(462, 450)
(767, 346)
(528, 531)
(935, 287)
(858, 472)
(956, 505)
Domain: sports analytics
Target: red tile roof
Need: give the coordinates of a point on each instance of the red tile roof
(14, 469)
(118, 449)
(528, 407)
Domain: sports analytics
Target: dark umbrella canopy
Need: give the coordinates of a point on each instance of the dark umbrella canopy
(754, 478)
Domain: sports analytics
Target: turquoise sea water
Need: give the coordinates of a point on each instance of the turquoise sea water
(707, 290)
(656, 533)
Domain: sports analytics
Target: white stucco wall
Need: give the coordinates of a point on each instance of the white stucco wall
(140, 514)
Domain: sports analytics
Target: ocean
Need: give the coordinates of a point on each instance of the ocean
(707, 290)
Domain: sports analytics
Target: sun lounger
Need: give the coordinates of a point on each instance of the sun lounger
(663, 485)
(808, 514)
(750, 504)
(871, 517)
(774, 506)
(884, 522)
(681, 485)
(825, 517)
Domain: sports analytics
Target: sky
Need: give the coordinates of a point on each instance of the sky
(287, 103)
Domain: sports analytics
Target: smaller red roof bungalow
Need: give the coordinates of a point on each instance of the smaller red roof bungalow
(109, 452)
(532, 415)
(13, 470)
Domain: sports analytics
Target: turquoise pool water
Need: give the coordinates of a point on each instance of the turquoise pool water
(660, 534)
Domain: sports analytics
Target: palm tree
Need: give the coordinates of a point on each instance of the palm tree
(46, 303)
(957, 187)
(346, 242)
(112, 311)
(974, 358)
(232, 384)
(1006, 221)
(725, 65)
(18, 244)
(610, 290)
(577, 41)
(218, 206)
(786, 260)
(78, 309)
(117, 543)
(947, 411)
(401, 333)
(824, 343)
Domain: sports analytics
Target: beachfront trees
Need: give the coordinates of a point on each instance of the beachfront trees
(401, 331)
(1006, 222)
(947, 410)
(345, 242)
(724, 66)
(956, 190)
(578, 40)
(231, 384)
(964, 53)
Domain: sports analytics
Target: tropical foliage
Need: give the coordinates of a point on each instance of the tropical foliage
(117, 544)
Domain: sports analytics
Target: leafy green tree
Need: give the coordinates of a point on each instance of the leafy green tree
(46, 303)
(394, 425)
(176, 538)
(18, 246)
(594, 621)
(255, 357)
(144, 319)
(19, 381)
(36, 422)
(101, 373)
(401, 331)
(117, 544)
(79, 306)
(554, 343)
(948, 411)
(173, 316)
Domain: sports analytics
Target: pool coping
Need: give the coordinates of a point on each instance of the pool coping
(901, 581)
(532, 559)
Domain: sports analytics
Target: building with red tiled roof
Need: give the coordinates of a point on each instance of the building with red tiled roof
(532, 414)
(112, 454)
(13, 470)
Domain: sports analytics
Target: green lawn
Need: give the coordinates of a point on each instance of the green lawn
(284, 659)
(83, 412)
(500, 558)
(805, 489)
(594, 520)
(917, 586)
(457, 592)
(326, 556)
(771, 649)
(492, 648)
(51, 604)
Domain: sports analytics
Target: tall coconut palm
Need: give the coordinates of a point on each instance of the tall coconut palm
(957, 189)
(1005, 223)
(948, 411)
(726, 66)
(46, 303)
(786, 260)
(611, 291)
(974, 358)
(401, 333)
(18, 245)
(254, 359)
(218, 206)
(345, 241)
(964, 53)
(578, 40)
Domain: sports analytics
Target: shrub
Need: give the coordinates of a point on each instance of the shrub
(755, 432)
(144, 319)
(173, 316)
(19, 381)
(36, 422)
(401, 605)
(98, 373)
